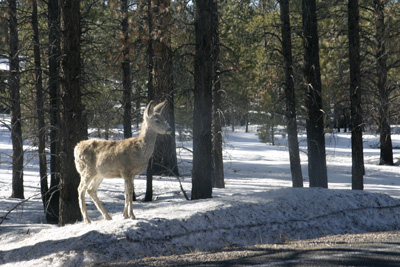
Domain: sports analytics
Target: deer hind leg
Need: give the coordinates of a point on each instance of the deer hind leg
(128, 209)
(92, 190)
(82, 204)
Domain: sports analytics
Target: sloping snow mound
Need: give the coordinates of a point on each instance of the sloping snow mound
(238, 220)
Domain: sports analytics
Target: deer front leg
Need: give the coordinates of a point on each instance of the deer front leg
(128, 209)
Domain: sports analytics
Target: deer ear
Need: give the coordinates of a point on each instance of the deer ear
(149, 110)
(159, 108)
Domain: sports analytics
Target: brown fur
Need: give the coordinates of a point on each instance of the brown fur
(98, 159)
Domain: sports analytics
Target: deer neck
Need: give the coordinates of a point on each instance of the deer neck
(148, 138)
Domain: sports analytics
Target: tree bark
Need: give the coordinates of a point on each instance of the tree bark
(149, 181)
(150, 95)
(126, 72)
(203, 84)
(52, 210)
(161, 72)
(71, 110)
(290, 97)
(44, 187)
(315, 119)
(386, 157)
(217, 156)
(164, 160)
(15, 105)
(355, 96)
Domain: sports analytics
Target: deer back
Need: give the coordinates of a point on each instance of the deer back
(110, 159)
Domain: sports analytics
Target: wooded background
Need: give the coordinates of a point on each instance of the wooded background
(70, 67)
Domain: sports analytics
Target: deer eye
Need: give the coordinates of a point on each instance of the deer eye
(157, 121)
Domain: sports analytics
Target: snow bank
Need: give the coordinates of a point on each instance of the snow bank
(240, 220)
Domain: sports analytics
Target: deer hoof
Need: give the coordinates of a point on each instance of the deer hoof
(126, 216)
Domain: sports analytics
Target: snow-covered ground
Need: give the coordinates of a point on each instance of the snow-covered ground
(257, 206)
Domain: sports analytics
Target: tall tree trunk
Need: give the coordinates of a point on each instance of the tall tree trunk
(161, 70)
(386, 157)
(205, 12)
(315, 119)
(150, 95)
(164, 160)
(44, 187)
(52, 210)
(126, 72)
(15, 105)
(355, 96)
(71, 109)
(217, 157)
(290, 97)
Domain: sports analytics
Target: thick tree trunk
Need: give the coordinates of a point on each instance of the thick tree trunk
(386, 157)
(44, 187)
(355, 96)
(164, 160)
(290, 97)
(71, 110)
(15, 106)
(161, 72)
(315, 119)
(52, 211)
(205, 14)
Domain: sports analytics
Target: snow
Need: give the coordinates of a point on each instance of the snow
(4, 66)
(257, 206)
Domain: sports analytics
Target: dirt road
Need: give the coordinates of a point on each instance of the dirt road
(371, 249)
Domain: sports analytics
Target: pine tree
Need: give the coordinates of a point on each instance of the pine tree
(312, 78)
(126, 71)
(71, 109)
(52, 211)
(164, 160)
(40, 107)
(355, 96)
(217, 117)
(290, 97)
(386, 157)
(206, 20)
(15, 104)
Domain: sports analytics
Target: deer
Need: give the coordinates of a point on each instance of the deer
(96, 159)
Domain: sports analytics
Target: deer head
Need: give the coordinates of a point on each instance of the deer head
(154, 120)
